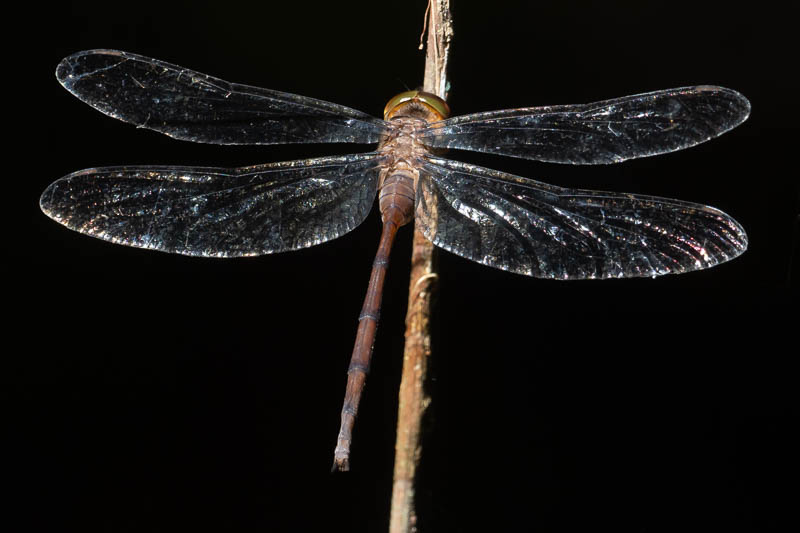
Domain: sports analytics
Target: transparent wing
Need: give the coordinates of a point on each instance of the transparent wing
(602, 132)
(191, 106)
(218, 212)
(541, 230)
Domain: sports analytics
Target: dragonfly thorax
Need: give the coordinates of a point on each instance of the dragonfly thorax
(398, 179)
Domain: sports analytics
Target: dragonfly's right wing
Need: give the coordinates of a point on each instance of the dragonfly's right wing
(601, 132)
(191, 106)
(541, 230)
(218, 212)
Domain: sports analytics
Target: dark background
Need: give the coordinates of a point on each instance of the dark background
(162, 393)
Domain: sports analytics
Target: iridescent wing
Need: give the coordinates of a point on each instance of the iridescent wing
(541, 230)
(191, 106)
(602, 132)
(218, 212)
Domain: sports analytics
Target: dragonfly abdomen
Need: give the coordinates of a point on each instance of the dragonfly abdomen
(396, 197)
(365, 337)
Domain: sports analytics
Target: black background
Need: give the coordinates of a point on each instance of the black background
(165, 393)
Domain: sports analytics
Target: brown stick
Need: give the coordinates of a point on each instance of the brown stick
(413, 399)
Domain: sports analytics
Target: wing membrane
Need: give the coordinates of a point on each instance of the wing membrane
(602, 132)
(191, 106)
(541, 230)
(218, 212)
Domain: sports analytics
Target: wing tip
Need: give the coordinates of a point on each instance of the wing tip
(66, 68)
(46, 203)
(739, 103)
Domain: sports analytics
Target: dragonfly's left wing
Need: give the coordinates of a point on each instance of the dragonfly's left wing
(192, 106)
(218, 212)
(601, 132)
(541, 230)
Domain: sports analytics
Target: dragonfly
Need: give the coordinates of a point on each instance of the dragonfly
(498, 219)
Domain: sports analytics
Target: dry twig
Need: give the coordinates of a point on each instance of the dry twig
(413, 399)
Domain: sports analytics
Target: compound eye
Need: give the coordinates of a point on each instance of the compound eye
(396, 101)
(436, 103)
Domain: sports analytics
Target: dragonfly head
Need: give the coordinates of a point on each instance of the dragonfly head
(416, 104)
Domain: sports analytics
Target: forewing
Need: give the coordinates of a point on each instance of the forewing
(191, 106)
(218, 212)
(602, 132)
(541, 230)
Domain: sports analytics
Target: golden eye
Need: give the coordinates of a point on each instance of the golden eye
(396, 101)
(436, 103)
